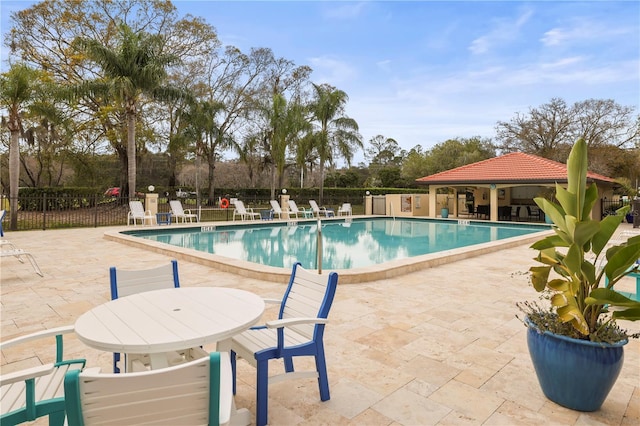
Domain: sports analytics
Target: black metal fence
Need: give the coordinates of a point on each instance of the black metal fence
(610, 207)
(47, 212)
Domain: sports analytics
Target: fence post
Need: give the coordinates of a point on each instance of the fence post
(44, 211)
(95, 205)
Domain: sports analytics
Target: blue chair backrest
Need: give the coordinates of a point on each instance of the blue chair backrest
(126, 282)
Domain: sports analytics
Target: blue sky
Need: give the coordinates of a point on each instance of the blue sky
(422, 72)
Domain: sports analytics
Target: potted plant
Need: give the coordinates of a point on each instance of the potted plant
(444, 207)
(576, 345)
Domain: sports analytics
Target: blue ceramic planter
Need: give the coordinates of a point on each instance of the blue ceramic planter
(576, 374)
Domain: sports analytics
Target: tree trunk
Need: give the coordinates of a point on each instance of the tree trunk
(14, 176)
(321, 197)
(131, 149)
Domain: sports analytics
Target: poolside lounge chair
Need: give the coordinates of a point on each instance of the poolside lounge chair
(320, 210)
(198, 392)
(275, 207)
(345, 209)
(298, 331)
(243, 212)
(127, 282)
(18, 253)
(137, 212)
(37, 391)
(179, 213)
(9, 244)
(293, 210)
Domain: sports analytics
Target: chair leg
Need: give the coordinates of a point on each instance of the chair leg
(232, 358)
(34, 264)
(116, 358)
(262, 392)
(57, 418)
(288, 364)
(323, 380)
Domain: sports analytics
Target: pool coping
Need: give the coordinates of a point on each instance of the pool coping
(391, 269)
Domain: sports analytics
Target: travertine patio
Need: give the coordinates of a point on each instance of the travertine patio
(439, 346)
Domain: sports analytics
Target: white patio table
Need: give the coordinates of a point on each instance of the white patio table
(161, 321)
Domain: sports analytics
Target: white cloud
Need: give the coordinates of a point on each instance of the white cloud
(384, 65)
(504, 32)
(581, 30)
(344, 10)
(330, 70)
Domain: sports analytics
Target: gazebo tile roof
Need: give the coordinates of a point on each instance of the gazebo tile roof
(508, 168)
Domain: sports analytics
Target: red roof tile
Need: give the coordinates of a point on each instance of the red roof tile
(516, 167)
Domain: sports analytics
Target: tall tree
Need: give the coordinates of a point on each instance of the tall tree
(18, 87)
(603, 122)
(544, 131)
(42, 36)
(135, 68)
(335, 134)
(459, 152)
(383, 151)
(551, 129)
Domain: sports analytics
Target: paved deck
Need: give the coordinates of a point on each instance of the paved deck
(439, 346)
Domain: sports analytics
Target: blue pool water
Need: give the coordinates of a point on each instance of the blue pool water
(346, 244)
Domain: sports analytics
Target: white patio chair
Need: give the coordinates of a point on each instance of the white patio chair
(127, 282)
(137, 212)
(37, 391)
(345, 209)
(243, 212)
(18, 253)
(277, 210)
(179, 213)
(293, 209)
(198, 392)
(320, 210)
(298, 331)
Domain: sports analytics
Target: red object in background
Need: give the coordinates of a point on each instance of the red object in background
(112, 192)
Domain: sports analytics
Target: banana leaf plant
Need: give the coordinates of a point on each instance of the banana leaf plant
(580, 267)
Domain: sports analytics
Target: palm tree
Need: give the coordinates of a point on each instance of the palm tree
(18, 86)
(336, 134)
(203, 130)
(286, 122)
(135, 68)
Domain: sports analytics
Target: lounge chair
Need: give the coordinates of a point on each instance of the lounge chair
(243, 212)
(320, 210)
(275, 207)
(37, 391)
(180, 214)
(137, 212)
(18, 253)
(127, 282)
(298, 331)
(293, 210)
(345, 209)
(198, 392)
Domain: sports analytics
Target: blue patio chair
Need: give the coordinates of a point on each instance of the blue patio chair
(298, 331)
(198, 392)
(127, 282)
(38, 391)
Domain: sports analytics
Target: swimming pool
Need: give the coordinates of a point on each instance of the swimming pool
(371, 247)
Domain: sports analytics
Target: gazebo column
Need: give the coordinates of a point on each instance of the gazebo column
(493, 202)
(433, 205)
(455, 202)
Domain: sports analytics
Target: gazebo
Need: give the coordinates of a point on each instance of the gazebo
(495, 186)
